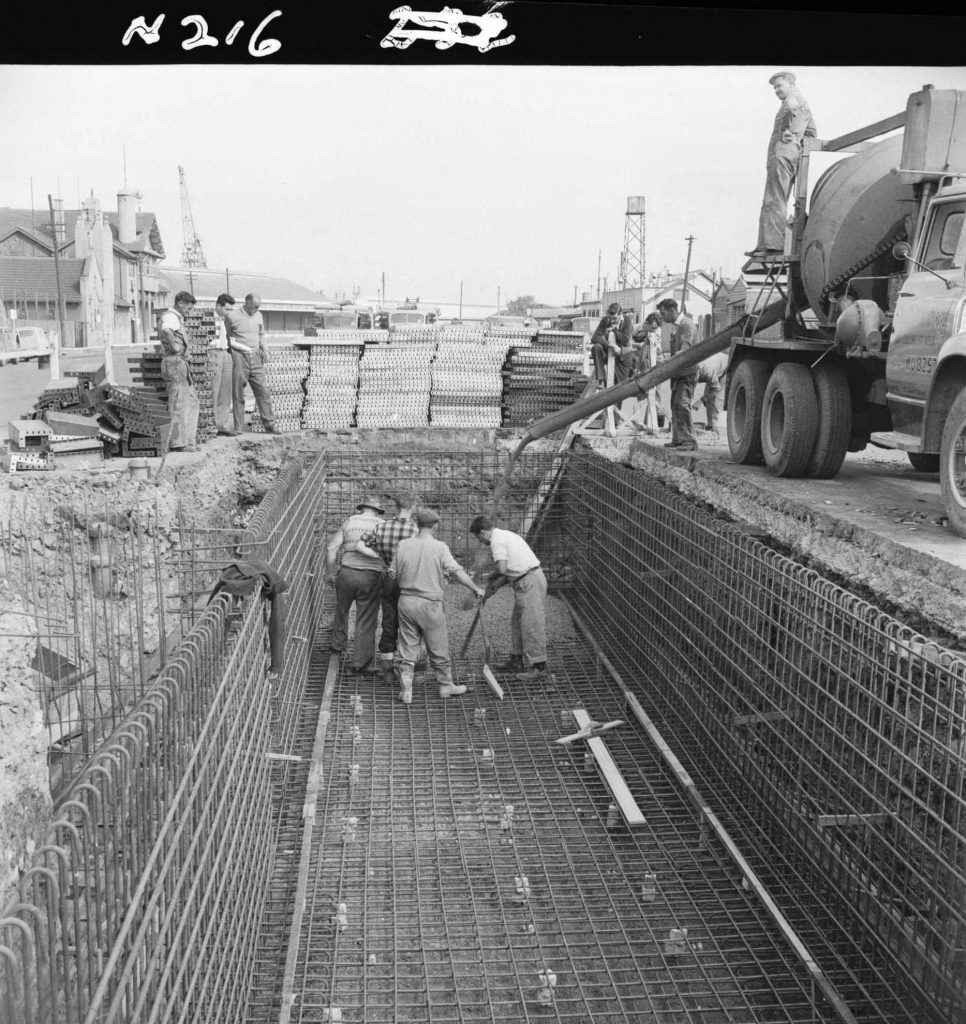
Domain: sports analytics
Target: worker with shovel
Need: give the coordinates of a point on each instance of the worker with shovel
(420, 566)
(517, 565)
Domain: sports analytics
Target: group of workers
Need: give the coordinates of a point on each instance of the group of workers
(636, 350)
(237, 356)
(399, 567)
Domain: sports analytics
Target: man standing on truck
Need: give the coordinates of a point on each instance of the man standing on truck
(682, 388)
(793, 123)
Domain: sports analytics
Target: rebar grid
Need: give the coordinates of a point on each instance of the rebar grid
(145, 898)
(146, 901)
(458, 484)
(831, 736)
(463, 855)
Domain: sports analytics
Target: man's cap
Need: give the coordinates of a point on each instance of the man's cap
(370, 502)
(781, 74)
(426, 517)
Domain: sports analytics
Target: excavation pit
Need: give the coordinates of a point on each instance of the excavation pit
(315, 850)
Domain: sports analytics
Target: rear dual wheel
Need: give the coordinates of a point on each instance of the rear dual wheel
(952, 465)
(795, 420)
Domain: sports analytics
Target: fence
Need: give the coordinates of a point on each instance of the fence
(833, 738)
(144, 903)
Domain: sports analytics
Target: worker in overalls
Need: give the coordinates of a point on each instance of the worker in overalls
(183, 405)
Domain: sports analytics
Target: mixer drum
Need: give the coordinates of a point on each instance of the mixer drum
(857, 204)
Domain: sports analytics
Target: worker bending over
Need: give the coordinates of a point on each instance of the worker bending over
(517, 565)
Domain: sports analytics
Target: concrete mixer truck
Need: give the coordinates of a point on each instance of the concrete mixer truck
(871, 346)
(858, 332)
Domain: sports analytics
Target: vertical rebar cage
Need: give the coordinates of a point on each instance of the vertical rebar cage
(832, 737)
(145, 901)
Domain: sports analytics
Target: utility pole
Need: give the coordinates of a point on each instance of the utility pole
(498, 300)
(461, 300)
(599, 253)
(687, 268)
(227, 282)
(55, 352)
(384, 289)
(575, 296)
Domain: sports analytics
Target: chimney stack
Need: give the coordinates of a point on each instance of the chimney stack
(127, 231)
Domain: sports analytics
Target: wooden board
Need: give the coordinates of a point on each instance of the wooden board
(610, 773)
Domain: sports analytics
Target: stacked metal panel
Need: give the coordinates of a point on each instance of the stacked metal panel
(199, 327)
(456, 332)
(346, 337)
(404, 333)
(542, 378)
(332, 384)
(395, 383)
(285, 374)
(520, 337)
(468, 383)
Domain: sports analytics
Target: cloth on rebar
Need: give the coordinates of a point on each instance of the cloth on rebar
(241, 579)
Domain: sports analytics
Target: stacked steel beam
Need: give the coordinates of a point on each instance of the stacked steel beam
(395, 383)
(285, 374)
(468, 383)
(332, 384)
(542, 378)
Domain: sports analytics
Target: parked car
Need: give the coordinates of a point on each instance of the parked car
(23, 343)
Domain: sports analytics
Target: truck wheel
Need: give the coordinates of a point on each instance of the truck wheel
(924, 462)
(746, 395)
(952, 465)
(834, 422)
(789, 420)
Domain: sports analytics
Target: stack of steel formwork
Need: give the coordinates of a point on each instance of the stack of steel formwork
(200, 332)
(519, 337)
(395, 384)
(331, 385)
(285, 374)
(468, 383)
(542, 378)
(404, 333)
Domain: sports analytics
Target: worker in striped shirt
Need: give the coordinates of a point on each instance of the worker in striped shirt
(382, 542)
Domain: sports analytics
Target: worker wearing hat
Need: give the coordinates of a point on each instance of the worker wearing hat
(420, 566)
(793, 124)
(359, 580)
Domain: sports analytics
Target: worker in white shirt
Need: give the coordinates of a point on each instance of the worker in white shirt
(219, 361)
(517, 565)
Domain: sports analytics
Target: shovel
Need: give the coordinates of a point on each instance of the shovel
(487, 671)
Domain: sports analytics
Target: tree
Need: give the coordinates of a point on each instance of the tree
(520, 306)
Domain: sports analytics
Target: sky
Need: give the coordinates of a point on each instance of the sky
(506, 180)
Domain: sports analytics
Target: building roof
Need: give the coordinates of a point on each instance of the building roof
(36, 275)
(146, 225)
(207, 285)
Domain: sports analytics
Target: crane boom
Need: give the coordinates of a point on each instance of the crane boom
(192, 255)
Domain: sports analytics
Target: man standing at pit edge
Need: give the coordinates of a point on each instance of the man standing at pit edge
(246, 337)
(517, 565)
(219, 360)
(682, 388)
(183, 405)
(419, 566)
(793, 123)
